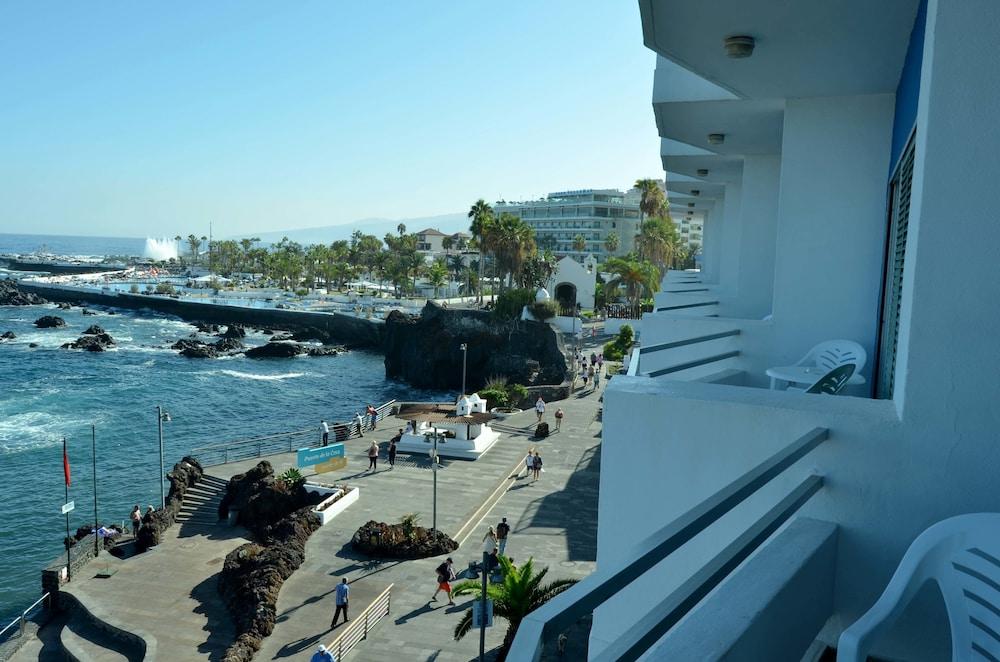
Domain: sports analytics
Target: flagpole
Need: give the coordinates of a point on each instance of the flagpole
(97, 526)
(69, 570)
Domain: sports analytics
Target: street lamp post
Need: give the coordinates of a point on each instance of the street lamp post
(161, 418)
(434, 469)
(465, 352)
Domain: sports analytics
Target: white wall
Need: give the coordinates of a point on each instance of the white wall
(831, 222)
(757, 238)
(712, 247)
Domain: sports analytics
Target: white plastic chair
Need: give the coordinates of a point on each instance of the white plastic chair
(960, 554)
(833, 353)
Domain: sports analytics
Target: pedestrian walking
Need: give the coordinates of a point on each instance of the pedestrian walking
(343, 592)
(529, 462)
(600, 361)
(559, 417)
(597, 377)
(373, 456)
(583, 375)
(373, 415)
(503, 530)
(540, 408)
(445, 574)
(593, 358)
(590, 374)
(322, 655)
(136, 517)
(360, 423)
(490, 541)
(392, 447)
(536, 465)
(324, 430)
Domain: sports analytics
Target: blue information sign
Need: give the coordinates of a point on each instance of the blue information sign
(307, 457)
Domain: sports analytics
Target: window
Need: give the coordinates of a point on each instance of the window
(892, 280)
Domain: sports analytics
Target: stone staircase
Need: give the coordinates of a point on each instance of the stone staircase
(201, 502)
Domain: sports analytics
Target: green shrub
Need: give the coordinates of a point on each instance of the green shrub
(495, 396)
(625, 337)
(133, 288)
(543, 310)
(292, 478)
(616, 349)
(510, 304)
(301, 292)
(164, 288)
(612, 352)
(517, 392)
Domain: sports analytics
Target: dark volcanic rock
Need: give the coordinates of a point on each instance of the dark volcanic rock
(8, 335)
(49, 322)
(394, 541)
(281, 337)
(282, 350)
(204, 327)
(10, 295)
(324, 351)
(87, 312)
(226, 344)
(200, 352)
(32, 344)
(234, 331)
(94, 329)
(185, 343)
(62, 305)
(425, 351)
(96, 342)
(185, 474)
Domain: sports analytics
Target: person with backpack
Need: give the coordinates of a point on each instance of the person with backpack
(559, 417)
(503, 530)
(445, 574)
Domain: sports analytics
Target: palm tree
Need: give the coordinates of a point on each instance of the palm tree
(480, 213)
(638, 279)
(611, 242)
(194, 243)
(401, 229)
(520, 593)
(447, 243)
(437, 276)
(579, 243)
(652, 197)
(513, 242)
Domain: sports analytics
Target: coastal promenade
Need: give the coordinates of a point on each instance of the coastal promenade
(169, 595)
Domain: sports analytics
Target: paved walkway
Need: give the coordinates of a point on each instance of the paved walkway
(554, 521)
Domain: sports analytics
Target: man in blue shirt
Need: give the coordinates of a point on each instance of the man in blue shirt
(343, 590)
(322, 655)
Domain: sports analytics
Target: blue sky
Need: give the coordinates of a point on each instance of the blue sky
(128, 118)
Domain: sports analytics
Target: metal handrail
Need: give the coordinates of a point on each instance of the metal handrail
(593, 591)
(22, 619)
(693, 364)
(242, 449)
(357, 631)
(687, 305)
(689, 341)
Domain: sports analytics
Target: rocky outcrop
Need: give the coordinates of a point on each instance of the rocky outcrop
(94, 329)
(425, 352)
(205, 327)
(281, 520)
(62, 305)
(91, 342)
(228, 345)
(197, 349)
(325, 350)
(400, 541)
(201, 351)
(279, 350)
(185, 473)
(86, 312)
(234, 331)
(49, 322)
(7, 335)
(10, 295)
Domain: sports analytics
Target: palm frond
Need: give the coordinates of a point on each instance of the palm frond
(464, 625)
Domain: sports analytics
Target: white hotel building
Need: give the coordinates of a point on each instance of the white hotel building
(846, 171)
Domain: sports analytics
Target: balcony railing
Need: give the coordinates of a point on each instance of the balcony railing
(358, 628)
(581, 600)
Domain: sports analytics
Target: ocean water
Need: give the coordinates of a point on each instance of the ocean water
(47, 393)
(67, 245)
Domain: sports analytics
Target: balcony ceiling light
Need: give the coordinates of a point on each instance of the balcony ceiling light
(703, 172)
(695, 191)
(690, 204)
(716, 138)
(739, 46)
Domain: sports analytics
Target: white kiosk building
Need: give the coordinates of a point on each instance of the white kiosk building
(462, 429)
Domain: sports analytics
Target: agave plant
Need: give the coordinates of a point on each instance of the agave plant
(520, 593)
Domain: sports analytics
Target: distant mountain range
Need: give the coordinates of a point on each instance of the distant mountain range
(447, 223)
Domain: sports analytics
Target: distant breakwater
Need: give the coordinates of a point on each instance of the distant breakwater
(325, 327)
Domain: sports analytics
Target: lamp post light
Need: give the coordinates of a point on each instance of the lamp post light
(161, 418)
(465, 352)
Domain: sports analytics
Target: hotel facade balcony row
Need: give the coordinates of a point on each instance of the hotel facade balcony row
(845, 173)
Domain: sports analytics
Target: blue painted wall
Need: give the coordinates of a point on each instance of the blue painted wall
(908, 90)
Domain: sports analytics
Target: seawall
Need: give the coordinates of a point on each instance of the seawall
(326, 327)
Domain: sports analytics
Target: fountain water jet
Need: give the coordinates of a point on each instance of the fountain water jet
(160, 249)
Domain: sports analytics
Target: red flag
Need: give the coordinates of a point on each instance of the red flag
(66, 464)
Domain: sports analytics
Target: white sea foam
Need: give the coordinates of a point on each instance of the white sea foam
(250, 375)
(31, 429)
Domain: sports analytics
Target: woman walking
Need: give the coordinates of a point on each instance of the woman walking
(392, 448)
(536, 465)
(529, 462)
(559, 417)
(591, 373)
(490, 541)
(373, 456)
